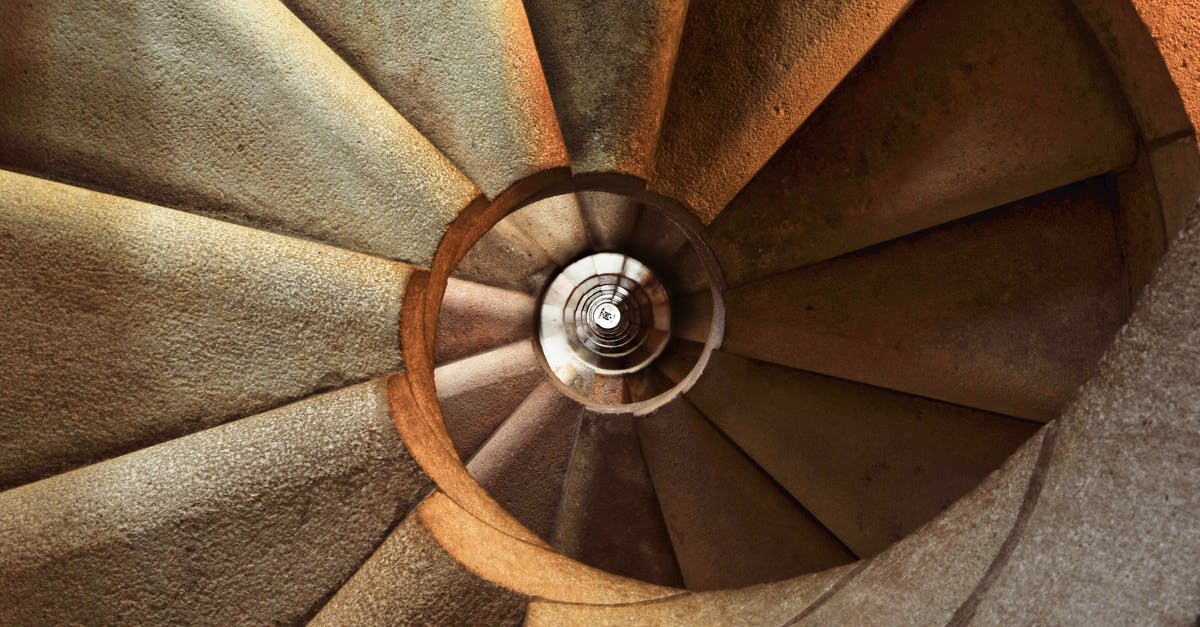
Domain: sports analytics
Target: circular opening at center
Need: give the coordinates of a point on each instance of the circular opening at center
(607, 316)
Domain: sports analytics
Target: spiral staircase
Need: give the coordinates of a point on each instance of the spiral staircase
(599, 312)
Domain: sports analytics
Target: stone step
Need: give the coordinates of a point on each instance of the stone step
(127, 324)
(232, 109)
(1006, 311)
(731, 525)
(476, 318)
(466, 75)
(523, 464)
(256, 521)
(870, 464)
(478, 393)
(609, 517)
(746, 75)
(959, 109)
(609, 68)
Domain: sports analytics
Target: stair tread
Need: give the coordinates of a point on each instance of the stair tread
(480, 392)
(524, 462)
(128, 324)
(610, 219)
(255, 521)
(609, 517)
(870, 464)
(476, 318)
(959, 109)
(730, 524)
(1006, 311)
(747, 74)
(472, 84)
(230, 109)
(509, 258)
(609, 67)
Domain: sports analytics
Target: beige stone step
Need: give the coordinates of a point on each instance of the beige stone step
(609, 67)
(411, 580)
(126, 324)
(1006, 311)
(731, 525)
(466, 75)
(479, 392)
(509, 258)
(523, 464)
(960, 108)
(256, 521)
(610, 219)
(475, 318)
(870, 464)
(234, 109)
(609, 517)
(556, 225)
(747, 74)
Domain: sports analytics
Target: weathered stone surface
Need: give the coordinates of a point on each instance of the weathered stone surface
(766, 604)
(1007, 311)
(476, 318)
(524, 463)
(1113, 537)
(127, 324)
(730, 524)
(251, 522)
(609, 69)
(509, 258)
(610, 219)
(480, 392)
(923, 579)
(411, 580)
(609, 517)
(962, 107)
(870, 464)
(466, 74)
(556, 224)
(1175, 28)
(233, 109)
(747, 74)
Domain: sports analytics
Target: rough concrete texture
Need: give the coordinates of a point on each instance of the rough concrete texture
(480, 392)
(1001, 100)
(411, 580)
(847, 451)
(251, 522)
(230, 108)
(730, 524)
(1006, 311)
(766, 604)
(1175, 27)
(127, 324)
(466, 74)
(556, 224)
(509, 258)
(1113, 537)
(923, 579)
(747, 74)
(609, 68)
(475, 318)
(609, 517)
(524, 462)
(610, 219)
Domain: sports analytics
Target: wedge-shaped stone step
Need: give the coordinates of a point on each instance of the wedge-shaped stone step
(1006, 311)
(509, 258)
(960, 108)
(730, 523)
(609, 517)
(609, 67)
(477, 318)
(233, 109)
(870, 464)
(256, 521)
(478, 393)
(126, 324)
(610, 219)
(412, 580)
(466, 74)
(747, 74)
(525, 461)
